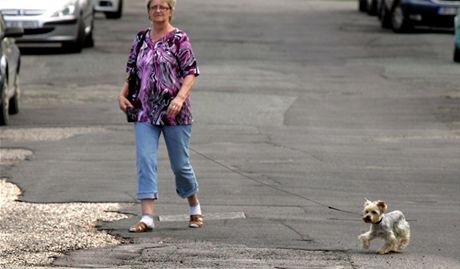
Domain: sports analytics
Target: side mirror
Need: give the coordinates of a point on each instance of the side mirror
(14, 32)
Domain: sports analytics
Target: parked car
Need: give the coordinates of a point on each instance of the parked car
(10, 63)
(457, 38)
(403, 15)
(69, 22)
(112, 9)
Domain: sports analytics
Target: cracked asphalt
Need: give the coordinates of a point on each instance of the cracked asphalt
(303, 109)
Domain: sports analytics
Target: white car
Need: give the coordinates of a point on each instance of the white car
(111, 8)
(69, 22)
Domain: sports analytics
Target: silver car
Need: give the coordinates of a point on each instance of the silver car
(112, 9)
(10, 63)
(69, 22)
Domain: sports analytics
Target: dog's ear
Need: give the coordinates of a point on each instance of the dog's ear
(382, 206)
(367, 202)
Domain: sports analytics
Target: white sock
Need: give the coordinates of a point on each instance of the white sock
(148, 220)
(194, 210)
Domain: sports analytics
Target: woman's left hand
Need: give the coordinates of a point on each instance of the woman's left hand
(175, 106)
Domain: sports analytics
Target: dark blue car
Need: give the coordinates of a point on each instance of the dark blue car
(403, 15)
(457, 38)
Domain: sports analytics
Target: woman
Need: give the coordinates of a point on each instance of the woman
(166, 67)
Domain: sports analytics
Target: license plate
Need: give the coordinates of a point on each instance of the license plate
(22, 24)
(447, 11)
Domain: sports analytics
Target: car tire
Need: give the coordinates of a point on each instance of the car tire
(13, 108)
(457, 55)
(372, 8)
(117, 14)
(89, 39)
(385, 17)
(399, 21)
(77, 45)
(362, 5)
(4, 110)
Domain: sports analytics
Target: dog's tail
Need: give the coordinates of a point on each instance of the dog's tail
(403, 230)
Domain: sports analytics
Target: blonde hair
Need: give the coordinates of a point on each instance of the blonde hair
(171, 3)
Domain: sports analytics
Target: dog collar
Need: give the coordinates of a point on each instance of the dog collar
(380, 220)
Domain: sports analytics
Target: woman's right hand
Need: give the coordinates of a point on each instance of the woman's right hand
(123, 102)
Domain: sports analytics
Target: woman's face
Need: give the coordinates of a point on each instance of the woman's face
(159, 11)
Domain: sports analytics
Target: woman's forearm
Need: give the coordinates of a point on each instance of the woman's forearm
(123, 102)
(124, 89)
(186, 87)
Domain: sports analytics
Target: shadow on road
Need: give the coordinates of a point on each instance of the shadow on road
(40, 50)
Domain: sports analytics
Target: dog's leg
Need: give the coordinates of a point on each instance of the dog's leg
(391, 244)
(394, 244)
(365, 239)
(384, 249)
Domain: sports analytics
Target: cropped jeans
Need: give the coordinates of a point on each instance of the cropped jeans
(177, 143)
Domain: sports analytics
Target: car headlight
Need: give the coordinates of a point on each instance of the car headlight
(67, 10)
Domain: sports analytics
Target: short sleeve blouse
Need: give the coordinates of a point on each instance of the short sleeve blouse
(161, 67)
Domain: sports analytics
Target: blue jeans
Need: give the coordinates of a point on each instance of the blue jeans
(177, 142)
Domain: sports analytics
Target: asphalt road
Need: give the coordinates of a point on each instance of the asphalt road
(303, 109)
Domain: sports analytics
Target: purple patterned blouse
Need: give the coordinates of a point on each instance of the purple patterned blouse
(161, 67)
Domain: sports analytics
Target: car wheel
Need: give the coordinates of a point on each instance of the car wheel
(4, 111)
(89, 39)
(385, 17)
(399, 22)
(14, 101)
(14, 105)
(362, 4)
(457, 55)
(371, 7)
(77, 45)
(117, 14)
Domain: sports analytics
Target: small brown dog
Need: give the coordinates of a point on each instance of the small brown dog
(392, 227)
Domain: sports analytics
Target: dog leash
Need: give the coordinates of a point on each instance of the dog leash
(239, 172)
